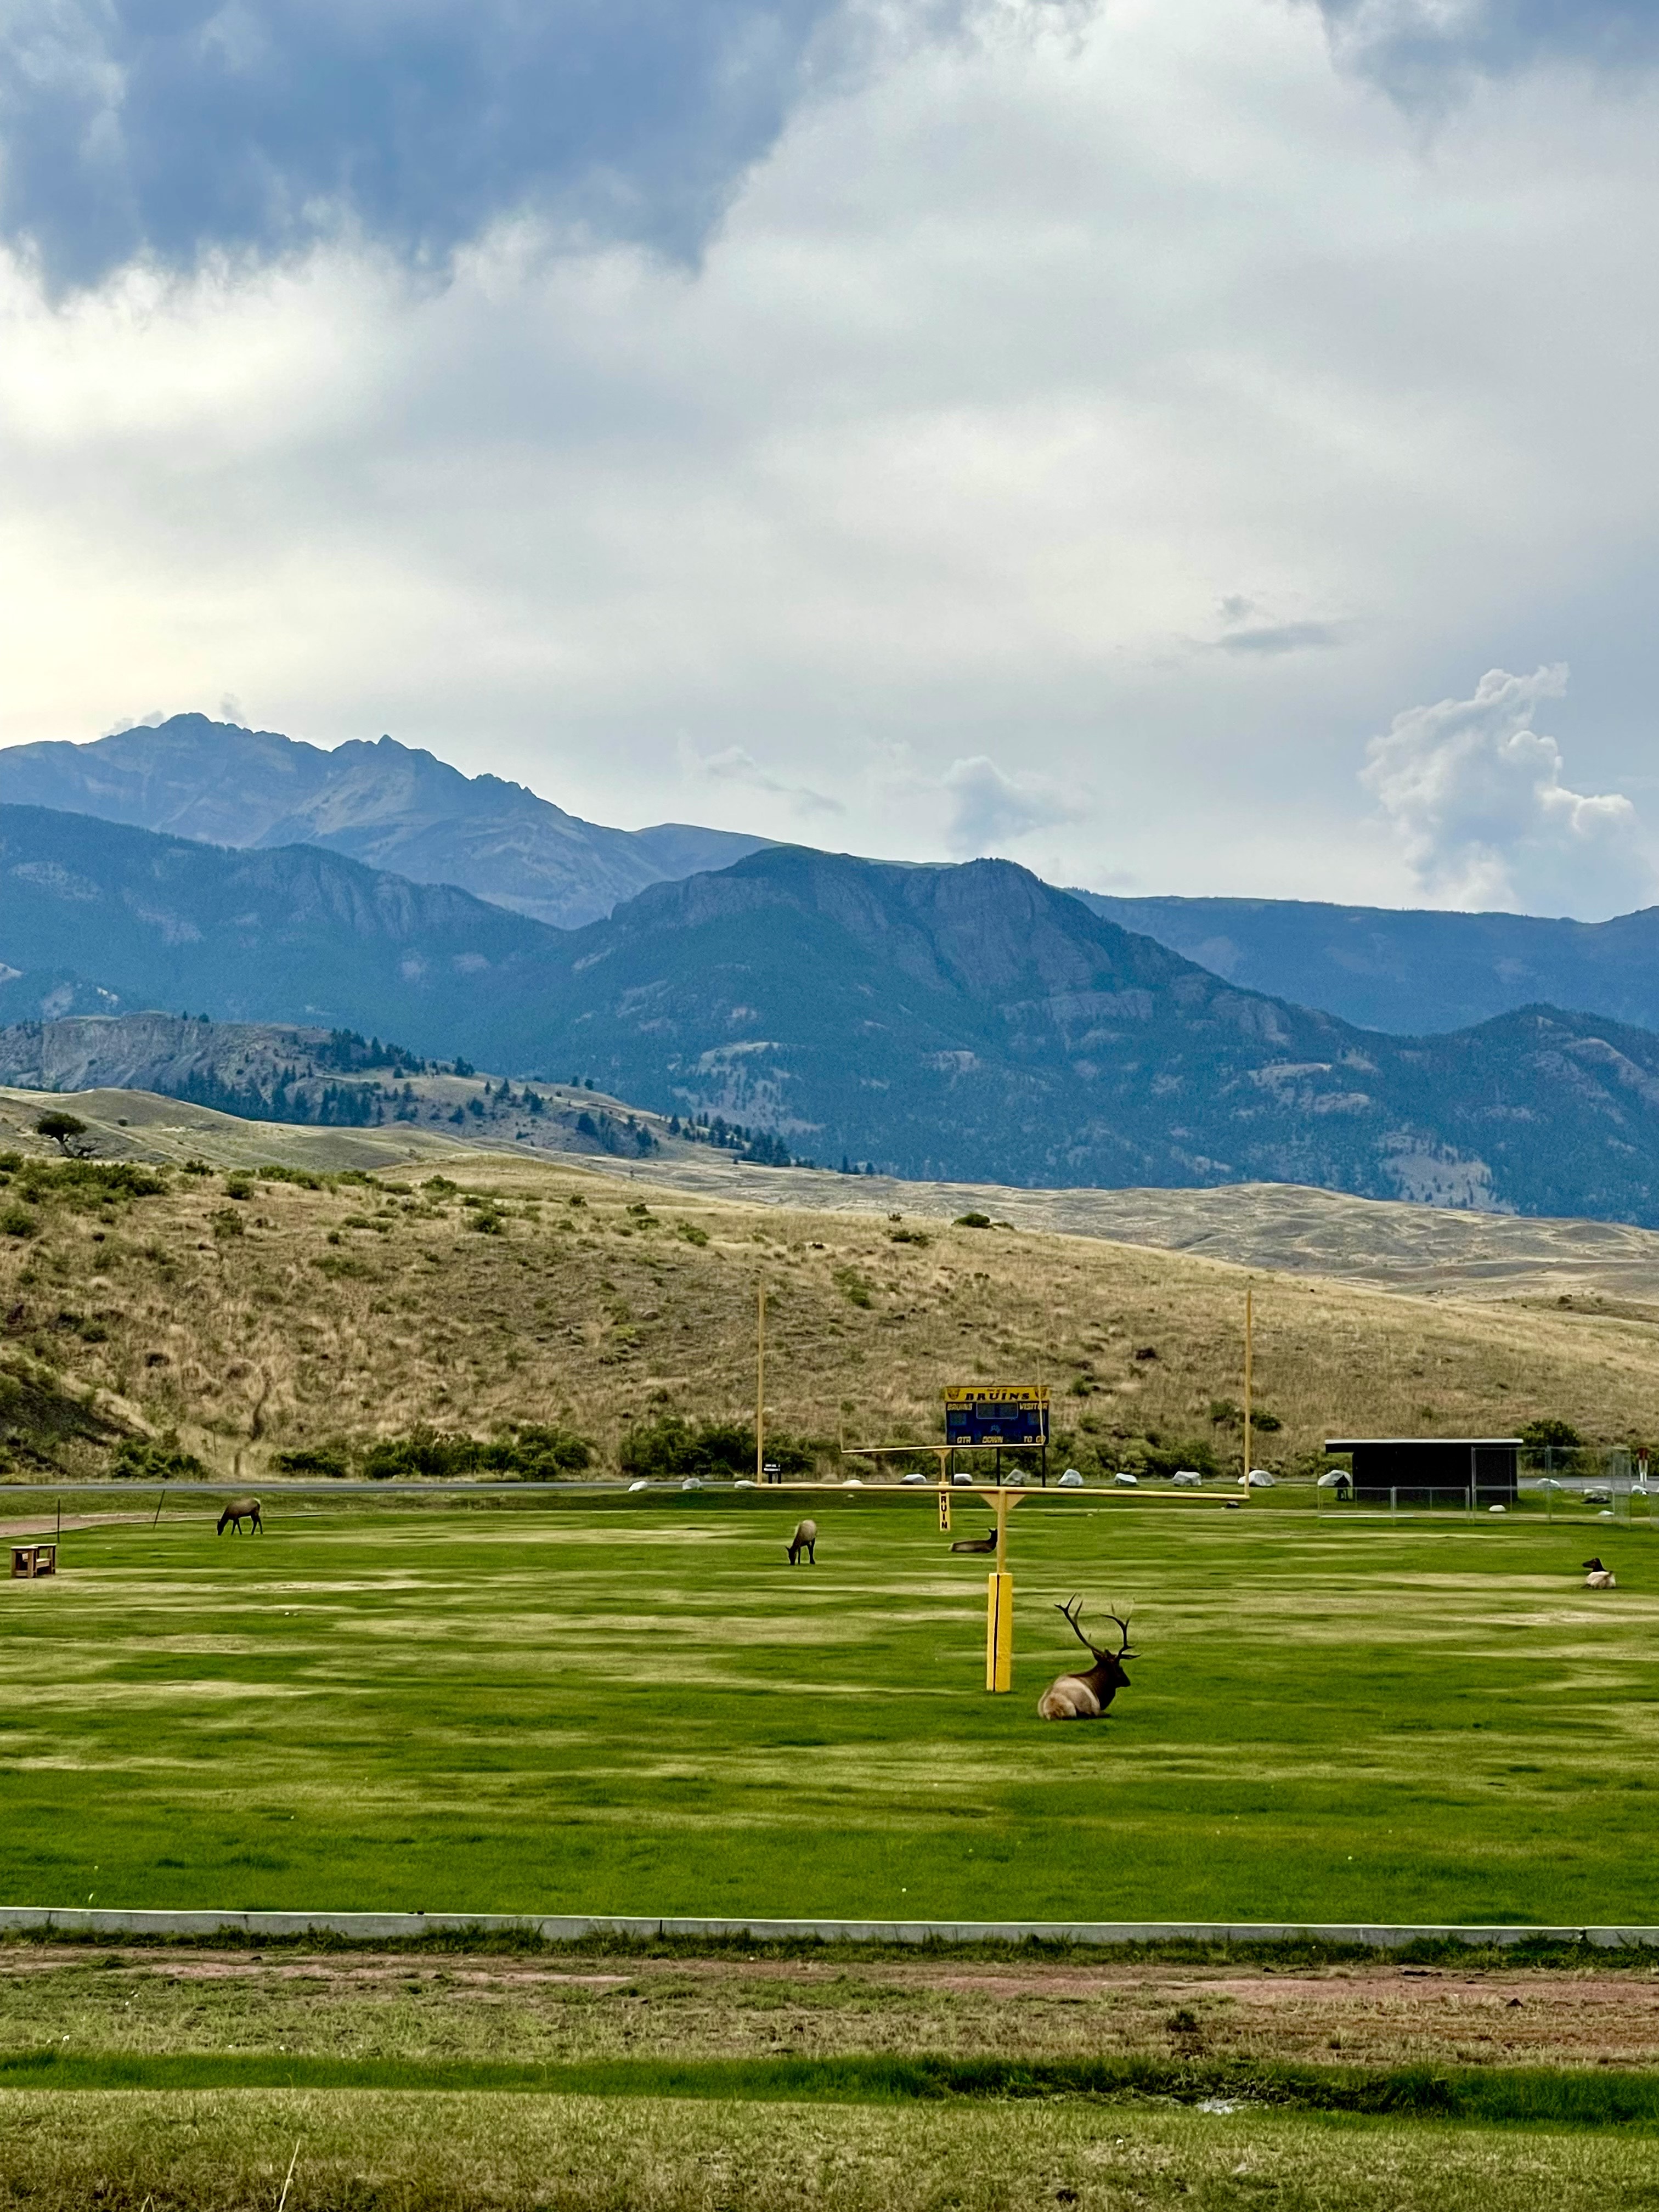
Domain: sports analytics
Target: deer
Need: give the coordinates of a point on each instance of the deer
(805, 1540)
(1598, 1577)
(1085, 1696)
(238, 1510)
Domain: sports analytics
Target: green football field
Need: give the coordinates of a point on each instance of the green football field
(639, 1708)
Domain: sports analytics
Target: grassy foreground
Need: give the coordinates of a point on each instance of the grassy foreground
(640, 1708)
(191, 2079)
(222, 2150)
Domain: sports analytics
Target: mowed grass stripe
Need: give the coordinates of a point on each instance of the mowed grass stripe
(575, 1710)
(1506, 2095)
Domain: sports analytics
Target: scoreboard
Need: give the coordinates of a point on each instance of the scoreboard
(997, 1413)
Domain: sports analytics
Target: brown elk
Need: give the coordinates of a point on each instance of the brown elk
(805, 1539)
(238, 1510)
(1085, 1696)
(1600, 1577)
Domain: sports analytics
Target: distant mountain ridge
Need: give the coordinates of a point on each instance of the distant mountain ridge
(382, 803)
(1410, 971)
(951, 1023)
(116, 920)
(1405, 972)
(972, 1023)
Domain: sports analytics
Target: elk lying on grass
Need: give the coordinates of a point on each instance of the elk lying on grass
(1085, 1696)
(240, 1510)
(975, 1543)
(805, 1540)
(1599, 1577)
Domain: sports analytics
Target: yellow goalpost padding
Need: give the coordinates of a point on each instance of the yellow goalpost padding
(1000, 1631)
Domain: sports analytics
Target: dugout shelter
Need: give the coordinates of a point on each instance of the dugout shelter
(1415, 1470)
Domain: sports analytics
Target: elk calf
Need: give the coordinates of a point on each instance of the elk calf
(240, 1510)
(1085, 1696)
(1599, 1577)
(804, 1540)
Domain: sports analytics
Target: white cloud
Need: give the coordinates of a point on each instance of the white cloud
(735, 765)
(1474, 795)
(1002, 373)
(987, 812)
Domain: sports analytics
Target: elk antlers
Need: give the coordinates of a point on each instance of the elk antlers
(1073, 1614)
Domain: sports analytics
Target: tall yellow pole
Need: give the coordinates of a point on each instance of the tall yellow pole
(1248, 1332)
(760, 1381)
(1000, 1605)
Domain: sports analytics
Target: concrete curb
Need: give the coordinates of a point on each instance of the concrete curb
(389, 1927)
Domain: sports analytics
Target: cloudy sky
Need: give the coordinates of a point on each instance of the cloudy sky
(1184, 445)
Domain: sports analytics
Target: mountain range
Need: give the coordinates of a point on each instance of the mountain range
(383, 803)
(1411, 971)
(961, 1023)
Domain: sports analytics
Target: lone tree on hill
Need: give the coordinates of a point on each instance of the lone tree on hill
(66, 1131)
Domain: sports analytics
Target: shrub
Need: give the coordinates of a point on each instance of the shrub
(907, 1236)
(1549, 1433)
(423, 1453)
(156, 1458)
(689, 1230)
(537, 1453)
(851, 1286)
(670, 1448)
(85, 1184)
(18, 1221)
(1168, 1459)
(331, 1459)
(529, 1452)
(226, 1222)
(972, 1221)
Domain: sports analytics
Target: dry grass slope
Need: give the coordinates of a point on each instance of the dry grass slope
(293, 1315)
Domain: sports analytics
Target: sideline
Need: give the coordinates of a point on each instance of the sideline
(377, 1927)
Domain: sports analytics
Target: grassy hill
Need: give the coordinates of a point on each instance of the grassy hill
(257, 1314)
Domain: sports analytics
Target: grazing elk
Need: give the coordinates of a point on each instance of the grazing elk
(240, 1510)
(1598, 1577)
(1085, 1696)
(805, 1540)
